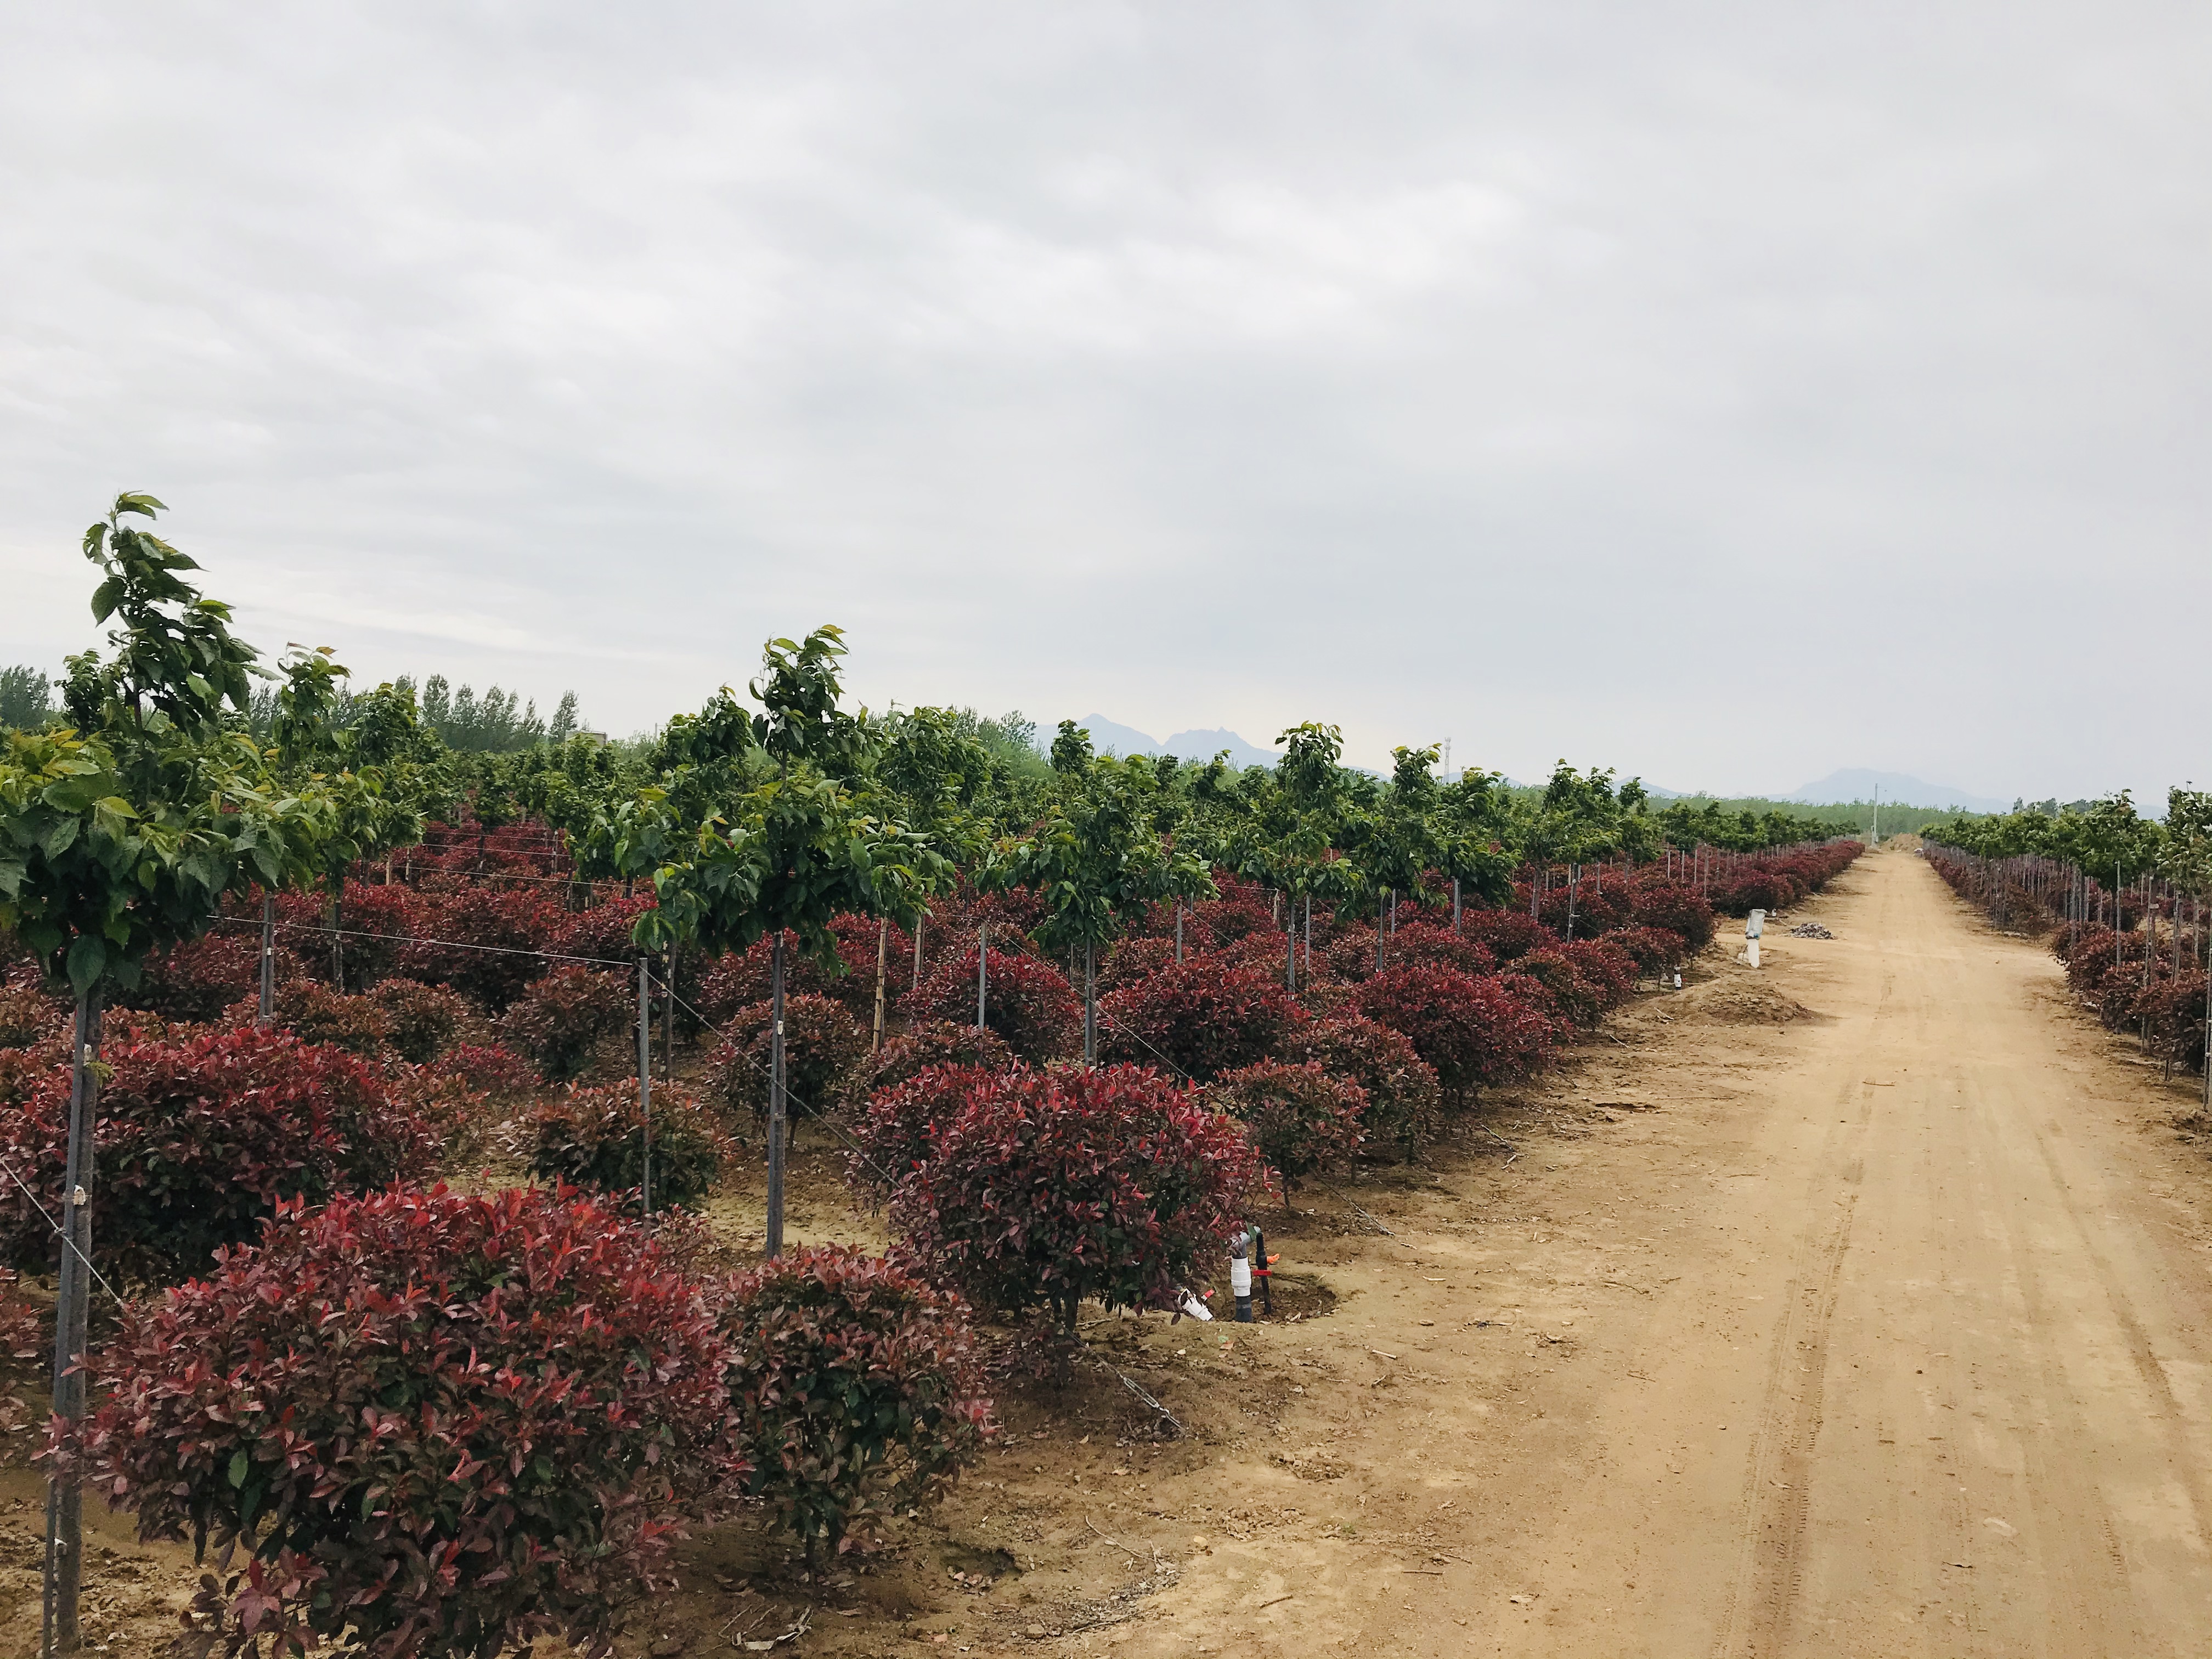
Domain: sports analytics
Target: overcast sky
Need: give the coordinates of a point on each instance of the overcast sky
(1726, 393)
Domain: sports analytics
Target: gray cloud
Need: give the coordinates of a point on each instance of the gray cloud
(1726, 393)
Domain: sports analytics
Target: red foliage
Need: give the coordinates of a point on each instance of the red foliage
(497, 1072)
(425, 1020)
(1301, 1120)
(480, 1421)
(198, 980)
(1029, 1003)
(1203, 1017)
(1471, 1031)
(1404, 1100)
(739, 981)
(892, 1136)
(199, 1140)
(314, 1013)
(561, 1018)
(495, 935)
(594, 1137)
(28, 1015)
(1505, 933)
(855, 1389)
(1675, 907)
(1241, 909)
(602, 932)
(1132, 960)
(1582, 1000)
(1651, 949)
(1052, 1187)
(937, 1043)
(1598, 908)
(824, 1050)
(1428, 942)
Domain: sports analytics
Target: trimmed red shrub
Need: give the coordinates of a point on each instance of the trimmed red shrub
(1653, 950)
(199, 1140)
(1426, 941)
(1505, 934)
(376, 920)
(497, 1072)
(198, 980)
(29, 1016)
(1582, 1000)
(1029, 1003)
(496, 933)
(1678, 908)
(937, 1043)
(1241, 910)
(1049, 1187)
(561, 1018)
(435, 1424)
(1132, 960)
(315, 1013)
(1597, 908)
(1300, 1118)
(593, 1137)
(425, 1020)
(824, 1051)
(603, 932)
(1471, 1031)
(739, 980)
(24, 1338)
(1203, 1017)
(892, 1136)
(1404, 1101)
(855, 1389)
(1604, 964)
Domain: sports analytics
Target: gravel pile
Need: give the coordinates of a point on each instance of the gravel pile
(1810, 930)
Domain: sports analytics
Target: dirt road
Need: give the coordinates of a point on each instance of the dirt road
(1886, 1333)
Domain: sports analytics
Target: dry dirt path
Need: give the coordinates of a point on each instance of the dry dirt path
(1886, 1333)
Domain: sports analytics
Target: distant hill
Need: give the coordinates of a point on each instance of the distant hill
(1857, 783)
(1107, 734)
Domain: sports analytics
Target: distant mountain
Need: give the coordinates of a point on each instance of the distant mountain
(1121, 740)
(1857, 783)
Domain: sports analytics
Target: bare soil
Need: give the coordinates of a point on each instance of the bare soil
(1856, 1305)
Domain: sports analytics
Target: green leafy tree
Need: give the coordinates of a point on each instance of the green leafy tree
(120, 835)
(799, 847)
(26, 697)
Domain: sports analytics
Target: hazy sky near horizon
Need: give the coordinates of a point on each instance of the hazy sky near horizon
(1724, 393)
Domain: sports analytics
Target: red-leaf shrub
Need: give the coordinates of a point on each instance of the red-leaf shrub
(603, 932)
(1471, 1031)
(1241, 909)
(1676, 907)
(495, 934)
(376, 923)
(561, 1018)
(824, 1050)
(28, 1015)
(1134, 959)
(740, 980)
(1582, 1002)
(855, 1389)
(1426, 941)
(23, 1341)
(2170, 1013)
(892, 1138)
(198, 980)
(199, 1140)
(425, 1020)
(1203, 1017)
(1505, 934)
(315, 1013)
(1597, 909)
(500, 1073)
(937, 1043)
(594, 1137)
(1405, 1104)
(435, 1424)
(1534, 995)
(1052, 1187)
(1653, 950)
(1300, 1118)
(1605, 964)
(1029, 1003)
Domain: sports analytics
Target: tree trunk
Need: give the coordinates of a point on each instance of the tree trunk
(1089, 1003)
(64, 1562)
(645, 1086)
(775, 1107)
(883, 959)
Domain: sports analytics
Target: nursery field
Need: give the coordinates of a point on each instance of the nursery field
(1855, 1305)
